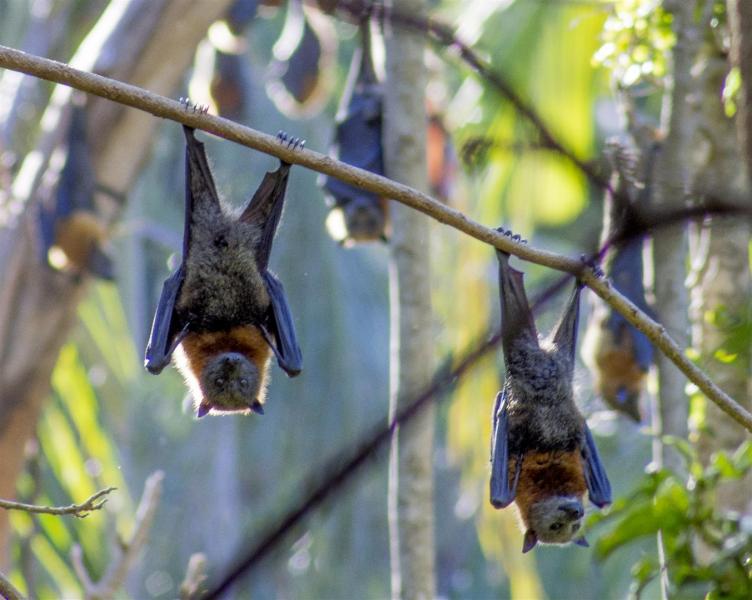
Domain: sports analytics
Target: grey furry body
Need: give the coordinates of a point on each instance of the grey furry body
(222, 285)
(542, 412)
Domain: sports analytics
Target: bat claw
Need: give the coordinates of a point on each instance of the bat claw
(291, 142)
(197, 108)
(516, 237)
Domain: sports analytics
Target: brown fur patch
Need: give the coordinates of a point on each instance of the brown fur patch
(198, 348)
(546, 474)
(617, 367)
(77, 236)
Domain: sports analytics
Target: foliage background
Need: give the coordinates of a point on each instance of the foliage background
(108, 423)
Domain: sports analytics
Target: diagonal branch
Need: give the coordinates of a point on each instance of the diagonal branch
(160, 106)
(95, 502)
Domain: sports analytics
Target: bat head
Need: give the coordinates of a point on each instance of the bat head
(230, 382)
(358, 220)
(553, 520)
(626, 400)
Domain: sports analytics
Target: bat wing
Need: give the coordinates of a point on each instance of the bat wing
(166, 332)
(265, 209)
(279, 331)
(517, 322)
(565, 335)
(357, 139)
(502, 494)
(599, 488)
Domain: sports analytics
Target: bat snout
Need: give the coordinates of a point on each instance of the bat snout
(572, 509)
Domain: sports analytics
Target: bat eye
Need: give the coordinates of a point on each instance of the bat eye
(243, 382)
(219, 382)
(555, 527)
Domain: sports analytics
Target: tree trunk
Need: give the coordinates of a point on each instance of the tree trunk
(670, 248)
(411, 461)
(138, 41)
(722, 271)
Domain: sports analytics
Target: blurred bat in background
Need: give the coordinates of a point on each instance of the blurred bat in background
(618, 355)
(357, 215)
(223, 311)
(71, 230)
(543, 455)
(301, 75)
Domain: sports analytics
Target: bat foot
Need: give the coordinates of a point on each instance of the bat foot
(291, 142)
(591, 263)
(194, 106)
(516, 237)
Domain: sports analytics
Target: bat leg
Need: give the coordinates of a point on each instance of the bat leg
(502, 494)
(517, 323)
(280, 329)
(599, 487)
(265, 207)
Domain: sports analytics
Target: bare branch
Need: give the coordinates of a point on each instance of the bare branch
(127, 552)
(77, 510)
(195, 575)
(170, 109)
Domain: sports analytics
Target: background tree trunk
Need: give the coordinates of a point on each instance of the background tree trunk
(411, 461)
(722, 285)
(136, 41)
(670, 248)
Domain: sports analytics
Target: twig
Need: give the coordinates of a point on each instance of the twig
(160, 106)
(77, 510)
(8, 590)
(195, 575)
(127, 551)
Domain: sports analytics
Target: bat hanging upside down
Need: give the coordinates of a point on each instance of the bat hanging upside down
(543, 455)
(223, 311)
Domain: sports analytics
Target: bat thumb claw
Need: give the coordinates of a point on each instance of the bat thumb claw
(530, 541)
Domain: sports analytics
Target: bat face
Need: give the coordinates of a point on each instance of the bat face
(365, 221)
(619, 377)
(543, 457)
(223, 311)
(226, 371)
(72, 233)
(549, 498)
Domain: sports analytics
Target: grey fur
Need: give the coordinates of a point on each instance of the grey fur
(222, 259)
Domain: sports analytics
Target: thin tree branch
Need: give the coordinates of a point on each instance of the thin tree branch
(170, 109)
(127, 552)
(78, 510)
(8, 591)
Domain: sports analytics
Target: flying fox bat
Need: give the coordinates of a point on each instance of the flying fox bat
(72, 233)
(223, 311)
(358, 215)
(543, 455)
(618, 355)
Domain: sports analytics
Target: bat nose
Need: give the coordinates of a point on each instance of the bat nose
(232, 360)
(573, 509)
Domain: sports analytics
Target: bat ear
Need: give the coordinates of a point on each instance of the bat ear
(203, 409)
(257, 407)
(530, 541)
(581, 541)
